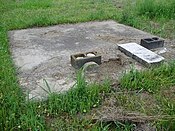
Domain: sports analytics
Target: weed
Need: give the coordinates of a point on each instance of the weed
(165, 125)
(75, 123)
(156, 81)
(80, 98)
(158, 8)
(151, 80)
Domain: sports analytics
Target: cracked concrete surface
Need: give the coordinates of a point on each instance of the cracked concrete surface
(43, 54)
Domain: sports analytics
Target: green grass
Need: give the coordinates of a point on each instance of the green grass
(154, 94)
(30, 13)
(49, 12)
(154, 16)
(79, 99)
(157, 108)
(18, 114)
(151, 80)
(73, 123)
(156, 8)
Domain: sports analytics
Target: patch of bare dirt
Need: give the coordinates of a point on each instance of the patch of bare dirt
(169, 93)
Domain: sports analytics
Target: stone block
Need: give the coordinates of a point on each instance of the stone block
(78, 60)
(152, 43)
(141, 54)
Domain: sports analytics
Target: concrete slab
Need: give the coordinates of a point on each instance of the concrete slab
(44, 53)
(140, 53)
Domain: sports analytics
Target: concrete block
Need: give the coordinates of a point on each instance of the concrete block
(78, 60)
(152, 43)
(140, 54)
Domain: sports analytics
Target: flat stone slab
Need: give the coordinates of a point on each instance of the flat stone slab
(140, 53)
(43, 54)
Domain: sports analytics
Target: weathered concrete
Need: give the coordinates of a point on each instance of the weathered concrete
(78, 60)
(140, 53)
(44, 53)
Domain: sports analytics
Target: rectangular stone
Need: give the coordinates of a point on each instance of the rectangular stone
(140, 54)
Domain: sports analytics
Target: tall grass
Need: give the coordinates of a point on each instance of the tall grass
(64, 124)
(151, 80)
(154, 81)
(30, 114)
(154, 16)
(80, 98)
(156, 8)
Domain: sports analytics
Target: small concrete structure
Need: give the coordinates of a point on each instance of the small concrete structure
(78, 60)
(43, 54)
(140, 53)
(152, 43)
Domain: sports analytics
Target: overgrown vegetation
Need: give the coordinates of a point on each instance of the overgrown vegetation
(151, 80)
(80, 98)
(71, 123)
(16, 113)
(159, 97)
(154, 16)
(156, 8)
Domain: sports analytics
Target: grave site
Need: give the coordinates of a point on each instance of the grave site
(48, 59)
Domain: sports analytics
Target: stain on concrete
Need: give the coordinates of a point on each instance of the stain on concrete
(44, 53)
